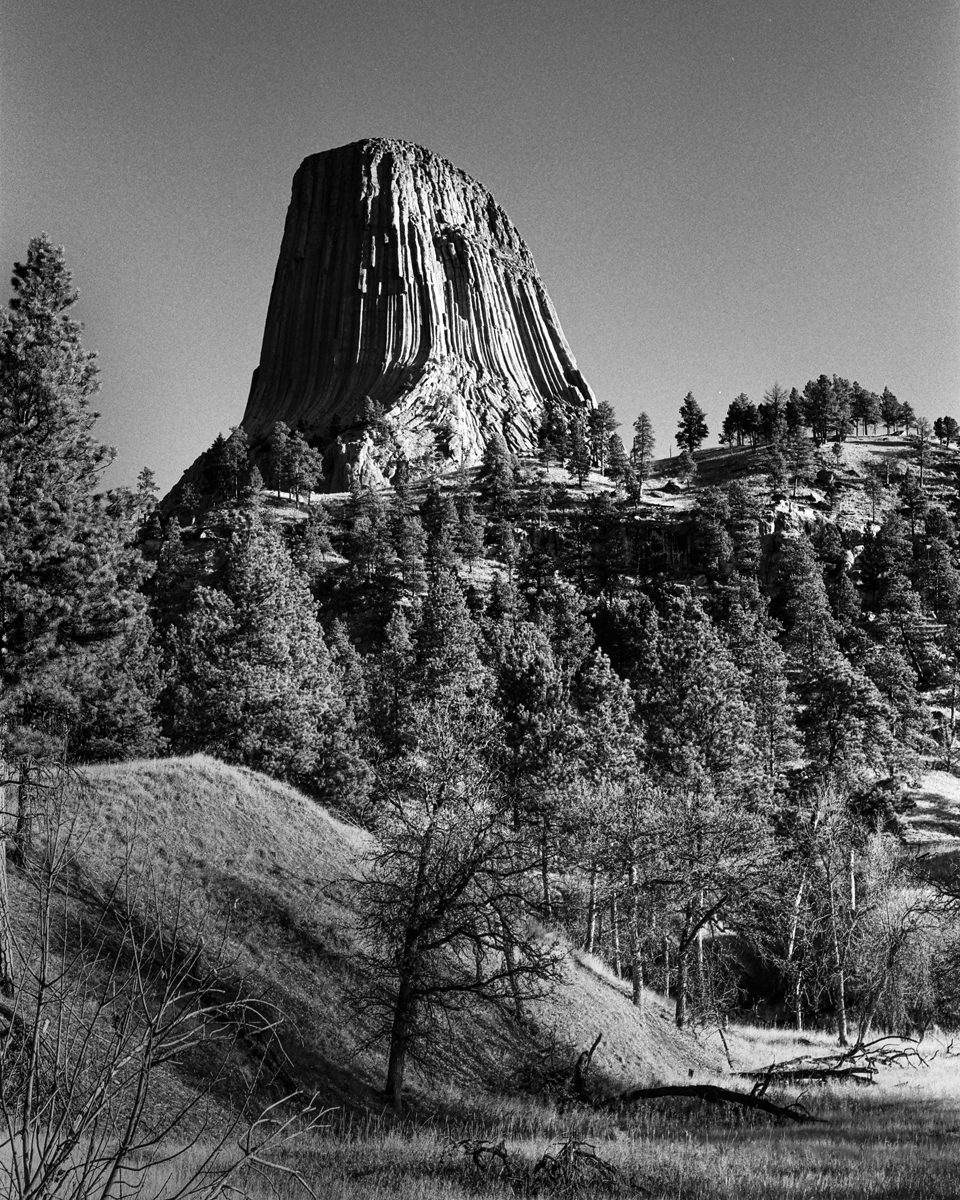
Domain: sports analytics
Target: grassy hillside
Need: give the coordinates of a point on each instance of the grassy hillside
(272, 868)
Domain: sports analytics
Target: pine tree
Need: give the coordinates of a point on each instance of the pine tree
(818, 404)
(278, 453)
(471, 529)
(602, 423)
(891, 410)
(447, 654)
(644, 444)
(617, 461)
(578, 462)
(693, 425)
(253, 680)
(798, 454)
(237, 459)
(311, 544)
(304, 465)
(441, 524)
(553, 433)
(495, 478)
(773, 413)
(73, 626)
(807, 617)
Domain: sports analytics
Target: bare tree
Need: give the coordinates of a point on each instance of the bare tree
(114, 993)
(450, 892)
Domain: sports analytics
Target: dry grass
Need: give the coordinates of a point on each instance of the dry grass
(277, 865)
(899, 1139)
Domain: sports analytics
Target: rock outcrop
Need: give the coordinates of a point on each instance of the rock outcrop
(402, 282)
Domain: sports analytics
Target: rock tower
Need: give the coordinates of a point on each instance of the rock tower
(403, 287)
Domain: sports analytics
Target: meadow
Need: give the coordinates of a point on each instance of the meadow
(898, 1138)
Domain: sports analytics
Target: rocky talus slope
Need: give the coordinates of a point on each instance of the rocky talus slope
(401, 279)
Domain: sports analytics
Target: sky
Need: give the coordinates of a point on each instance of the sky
(717, 193)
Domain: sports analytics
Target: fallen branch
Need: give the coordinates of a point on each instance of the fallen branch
(711, 1093)
(584, 1059)
(859, 1064)
(860, 1075)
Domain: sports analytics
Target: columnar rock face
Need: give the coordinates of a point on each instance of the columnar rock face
(401, 279)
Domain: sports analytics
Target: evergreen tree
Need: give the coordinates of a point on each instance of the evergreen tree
(686, 467)
(702, 749)
(602, 424)
(278, 453)
(840, 417)
(367, 540)
(644, 444)
(470, 531)
(775, 464)
(236, 460)
(553, 433)
(447, 659)
(73, 627)
(808, 620)
(147, 492)
(795, 412)
(692, 429)
(741, 421)
(578, 461)
(864, 407)
(311, 544)
(820, 402)
(891, 410)
(441, 523)
(798, 454)
(772, 413)
(304, 465)
(617, 461)
(495, 478)
(390, 688)
(253, 681)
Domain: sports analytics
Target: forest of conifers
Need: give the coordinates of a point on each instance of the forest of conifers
(684, 738)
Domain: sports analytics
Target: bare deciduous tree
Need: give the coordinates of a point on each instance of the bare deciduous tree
(450, 892)
(115, 992)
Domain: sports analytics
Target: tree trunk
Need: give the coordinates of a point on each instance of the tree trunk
(510, 957)
(615, 936)
(666, 966)
(683, 972)
(590, 936)
(795, 915)
(838, 966)
(16, 803)
(545, 872)
(6, 939)
(701, 969)
(404, 1012)
(636, 945)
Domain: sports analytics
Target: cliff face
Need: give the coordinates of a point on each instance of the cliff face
(402, 280)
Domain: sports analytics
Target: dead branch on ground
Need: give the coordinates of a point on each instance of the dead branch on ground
(859, 1064)
(710, 1093)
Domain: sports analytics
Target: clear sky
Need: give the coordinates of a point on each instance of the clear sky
(717, 193)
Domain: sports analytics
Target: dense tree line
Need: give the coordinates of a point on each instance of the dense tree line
(683, 744)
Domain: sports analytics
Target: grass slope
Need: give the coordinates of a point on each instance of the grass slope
(274, 867)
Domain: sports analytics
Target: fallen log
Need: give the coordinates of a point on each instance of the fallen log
(857, 1064)
(860, 1075)
(711, 1093)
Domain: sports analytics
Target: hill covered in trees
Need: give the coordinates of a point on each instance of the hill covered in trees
(668, 711)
